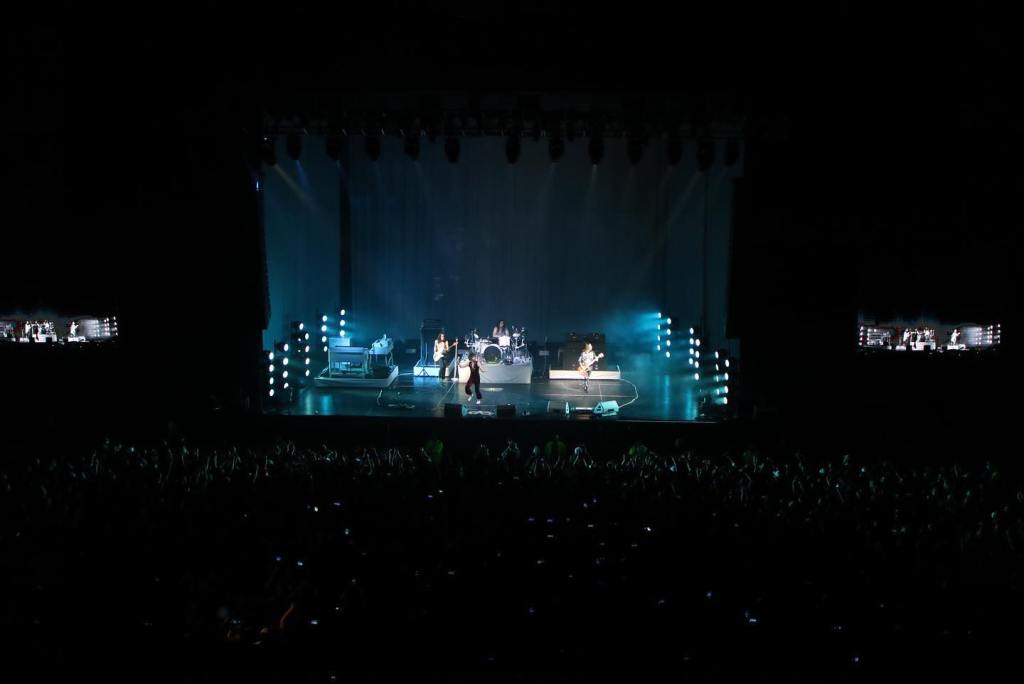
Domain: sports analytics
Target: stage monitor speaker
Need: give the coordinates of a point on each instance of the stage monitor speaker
(558, 408)
(506, 411)
(606, 408)
(454, 410)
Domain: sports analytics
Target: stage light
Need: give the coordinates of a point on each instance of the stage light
(342, 334)
(412, 147)
(659, 326)
(284, 374)
(342, 312)
(725, 389)
(668, 321)
(271, 356)
(691, 331)
(307, 349)
(307, 358)
(705, 154)
(324, 319)
(306, 337)
(284, 361)
(373, 147)
(690, 360)
(342, 323)
(271, 369)
(271, 391)
(556, 148)
(716, 355)
(323, 340)
(668, 343)
(302, 326)
(323, 328)
(513, 148)
(271, 378)
(674, 151)
(669, 331)
(696, 354)
(727, 363)
(668, 355)
(325, 349)
(725, 400)
(658, 348)
(696, 376)
(307, 372)
(691, 339)
(659, 315)
(286, 385)
(595, 148)
(697, 342)
(451, 149)
(293, 145)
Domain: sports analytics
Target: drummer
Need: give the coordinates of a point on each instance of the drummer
(500, 330)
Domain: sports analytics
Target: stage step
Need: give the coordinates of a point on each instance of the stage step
(554, 374)
(355, 381)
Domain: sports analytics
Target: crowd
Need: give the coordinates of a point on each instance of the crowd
(546, 562)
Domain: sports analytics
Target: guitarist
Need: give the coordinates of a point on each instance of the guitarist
(443, 355)
(587, 363)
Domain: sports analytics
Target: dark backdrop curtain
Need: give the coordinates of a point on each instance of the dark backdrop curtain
(555, 247)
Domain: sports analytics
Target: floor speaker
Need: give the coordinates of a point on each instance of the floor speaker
(506, 411)
(558, 408)
(454, 410)
(606, 408)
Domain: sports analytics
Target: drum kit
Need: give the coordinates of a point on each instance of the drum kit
(508, 349)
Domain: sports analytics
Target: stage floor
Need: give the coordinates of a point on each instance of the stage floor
(644, 393)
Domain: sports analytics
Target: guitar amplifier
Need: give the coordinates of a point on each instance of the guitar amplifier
(570, 354)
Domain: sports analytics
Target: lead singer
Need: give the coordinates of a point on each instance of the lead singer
(474, 379)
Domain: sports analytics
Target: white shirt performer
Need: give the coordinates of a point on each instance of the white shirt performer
(585, 364)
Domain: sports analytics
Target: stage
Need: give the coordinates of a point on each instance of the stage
(649, 392)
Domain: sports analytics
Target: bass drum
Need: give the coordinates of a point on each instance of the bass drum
(492, 354)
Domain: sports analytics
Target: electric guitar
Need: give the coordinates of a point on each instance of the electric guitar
(584, 369)
(438, 355)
